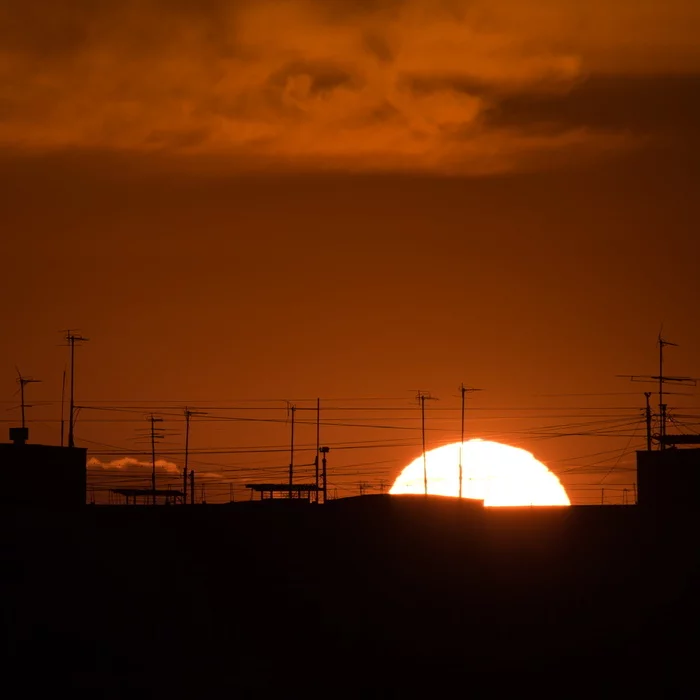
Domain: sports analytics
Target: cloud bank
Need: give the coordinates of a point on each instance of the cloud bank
(342, 84)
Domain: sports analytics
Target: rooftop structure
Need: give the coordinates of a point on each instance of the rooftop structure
(669, 479)
(145, 496)
(41, 476)
(288, 491)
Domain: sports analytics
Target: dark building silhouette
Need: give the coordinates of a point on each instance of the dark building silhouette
(669, 479)
(298, 492)
(403, 592)
(132, 496)
(41, 476)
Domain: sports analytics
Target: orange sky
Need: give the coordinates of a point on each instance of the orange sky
(346, 199)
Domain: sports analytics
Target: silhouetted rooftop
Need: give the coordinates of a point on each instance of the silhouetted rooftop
(146, 492)
(283, 487)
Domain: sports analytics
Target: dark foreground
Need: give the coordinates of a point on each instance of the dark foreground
(370, 595)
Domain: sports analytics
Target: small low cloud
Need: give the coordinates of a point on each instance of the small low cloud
(131, 464)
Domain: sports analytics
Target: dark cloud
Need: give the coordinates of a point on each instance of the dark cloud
(378, 46)
(642, 104)
(319, 77)
(374, 84)
(178, 139)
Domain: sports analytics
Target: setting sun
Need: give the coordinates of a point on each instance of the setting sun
(500, 475)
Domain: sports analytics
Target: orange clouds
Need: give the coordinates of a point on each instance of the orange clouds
(372, 85)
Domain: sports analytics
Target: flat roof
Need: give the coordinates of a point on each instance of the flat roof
(283, 487)
(146, 492)
(37, 446)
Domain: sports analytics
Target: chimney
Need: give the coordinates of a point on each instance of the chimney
(19, 436)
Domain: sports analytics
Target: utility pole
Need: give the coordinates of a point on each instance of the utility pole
(153, 419)
(463, 391)
(23, 381)
(422, 397)
(647, 415)
(188, 415)
(324, 451)
(192, 487)
(72, 339)
(291, 408)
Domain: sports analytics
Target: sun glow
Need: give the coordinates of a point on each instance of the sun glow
(500, 475)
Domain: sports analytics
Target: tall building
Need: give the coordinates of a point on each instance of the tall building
(669, 479)
(41, 476)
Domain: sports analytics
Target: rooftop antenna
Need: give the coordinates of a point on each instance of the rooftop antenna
(463, 390)
(154, 436)
(318, 444)
(188, 415)
(23, 381)
(72, 338)
(662, 406)
(324, 450)
(662, 379)
(291, 408)
(422, 397)
(63, 403)
(647, 418)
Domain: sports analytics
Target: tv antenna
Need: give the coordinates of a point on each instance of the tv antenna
(189, 414)
(291, 409)
(422, 397)
(155, 435)
(63, 403)
(463, 390)
(324, 450)
(72, 339)
(662, 379)
(23, 381)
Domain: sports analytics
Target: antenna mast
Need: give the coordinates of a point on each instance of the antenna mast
(72, 338)
(153, 420)
(291, 408)
(463, 391)
(23, 381)
(324, 451)
(662, 406)
(662, 379)
(318, 443)
(647, 418)
(188, 415)
(422, 397)
(63, 402)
